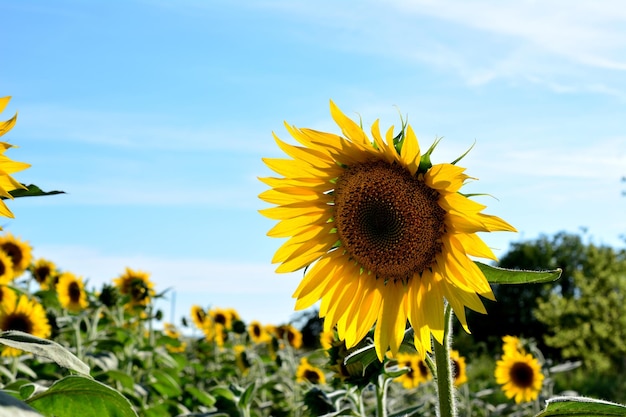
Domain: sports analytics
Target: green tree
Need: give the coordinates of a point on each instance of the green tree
(590, 322)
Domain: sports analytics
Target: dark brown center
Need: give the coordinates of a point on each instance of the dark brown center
(74, 292)
(522, 375)
(388, 220)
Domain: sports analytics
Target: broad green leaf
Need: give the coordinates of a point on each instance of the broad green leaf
(12, 407)
(79, 396)
(496, 275)
(246, 397)
(165, 384)
(32, 191)
(581, 407)
(123, 378)
(43, 347)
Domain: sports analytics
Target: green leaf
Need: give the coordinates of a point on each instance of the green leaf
(496, 275)
(31, 191)
(43, 347)
(12, 407)
(581, 407)
(246, 397)
(79, 396)
(205, 398)
(165, 384)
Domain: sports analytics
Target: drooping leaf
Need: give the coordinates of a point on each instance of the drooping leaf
(12, 407)
(79, 396)
(43, 347)
(32, 191)
(496, 275)
(582, 407)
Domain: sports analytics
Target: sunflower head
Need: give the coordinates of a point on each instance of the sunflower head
(241, 359)
(520, 376)
(7, 295)
(136, 286)
(7, 165)
(6, 268)
(25, 315)
(71, 292)
(171, 332)
(417, 370)
(307, 372)
(458, 366)
(258, 333)
(18, 250)
(198, 316)
(289, 334)
(383, 233)
(45, 273)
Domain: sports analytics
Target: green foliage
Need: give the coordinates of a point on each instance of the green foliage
(590, 322)
(582, 407)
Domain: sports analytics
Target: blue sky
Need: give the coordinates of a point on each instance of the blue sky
(153, 116)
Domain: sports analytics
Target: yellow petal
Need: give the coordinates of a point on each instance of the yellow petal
(445, 177)
(349, 128)
(410, 152)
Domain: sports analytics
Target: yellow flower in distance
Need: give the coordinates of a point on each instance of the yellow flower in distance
(198, 316)
(18, 250)
(172, 332)
(386, 236)
(418, 370)
(258, 333)
(7, 295)
(511, 345)
(136, 285)
(520, 376)
(459, 373)
(45, 273)
(308, 372)
(71, 292)
(6, 268)
(24, 315)
(7, 165)
(289, 333)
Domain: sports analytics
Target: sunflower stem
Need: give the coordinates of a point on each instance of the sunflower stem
(381, 396)
(444, 371)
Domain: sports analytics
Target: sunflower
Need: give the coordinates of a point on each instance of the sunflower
(387, 235)
(417, 370)
(458, 368)
(520, 376)
(308, 372)
(24, 315)
(7, 165)
(288, 333)
(137, 286)
(224, 316)
(198, 315)
(241, 359)
(170, 331)
(7, 295)
(18, 250)
(6, 268)
(71, 292)
(512, 344)
(327, 338)
(258, 333)
(45, 273)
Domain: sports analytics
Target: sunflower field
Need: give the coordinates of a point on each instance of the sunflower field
(387, 243)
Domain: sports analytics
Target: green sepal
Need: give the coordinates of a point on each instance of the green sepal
(398, 141)
(31, 191)
(425, 163)
(497, 275)
(582, 407)
(463, 156)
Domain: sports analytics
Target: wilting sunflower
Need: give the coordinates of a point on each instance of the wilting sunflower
(137, 286)
(258, 333)
(71, 292)
(520, 376)
(308, 372)
(7, 165)
(418, 370)
(386, 235)
(459, 373)
(6, 268)
(18, 250)
(24, 315)
(45, 273)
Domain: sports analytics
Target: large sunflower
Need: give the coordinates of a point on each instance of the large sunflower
(18, 250)
(7, 165)
(24, 315)
(386, 234)
(520, 376)
(71, 292)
